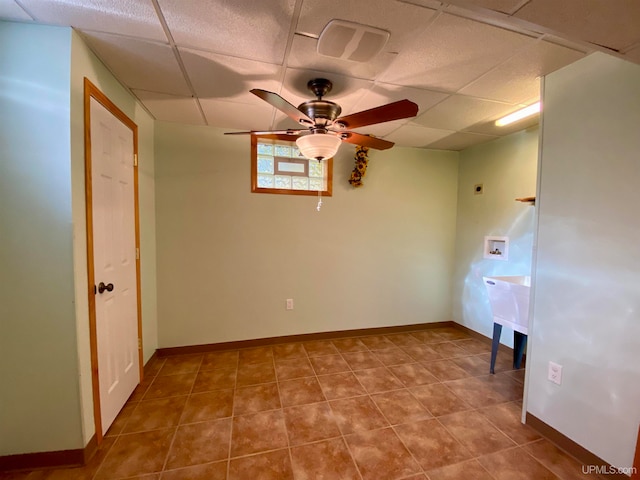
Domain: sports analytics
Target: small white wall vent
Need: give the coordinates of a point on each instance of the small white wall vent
(351, 41)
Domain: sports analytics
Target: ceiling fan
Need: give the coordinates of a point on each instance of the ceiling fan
(324, 130)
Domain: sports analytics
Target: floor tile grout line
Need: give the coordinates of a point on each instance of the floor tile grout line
(374, 350)
(455, 437)
(499, 429)
(542, 464)
(177, 427)
(351, 454)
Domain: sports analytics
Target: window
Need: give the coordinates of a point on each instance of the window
(278, 167)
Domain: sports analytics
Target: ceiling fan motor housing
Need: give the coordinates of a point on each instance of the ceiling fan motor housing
(323, 112)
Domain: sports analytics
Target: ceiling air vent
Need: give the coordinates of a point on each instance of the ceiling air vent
(351, 41)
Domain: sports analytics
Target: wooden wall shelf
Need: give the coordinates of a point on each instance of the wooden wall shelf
(531, 200)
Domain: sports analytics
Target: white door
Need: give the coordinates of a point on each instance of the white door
(114, 248)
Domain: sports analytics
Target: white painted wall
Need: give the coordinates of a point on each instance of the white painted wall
(39, 402)
(375, 256)
(586, 305)
(507, 168)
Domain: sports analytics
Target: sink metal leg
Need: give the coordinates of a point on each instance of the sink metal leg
(519, 343)
(497, 331)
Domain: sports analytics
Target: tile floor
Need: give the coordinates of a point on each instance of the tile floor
(412, 406)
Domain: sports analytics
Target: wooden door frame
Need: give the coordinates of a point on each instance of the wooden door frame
(91, 91)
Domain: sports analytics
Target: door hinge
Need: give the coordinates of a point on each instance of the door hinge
(139, 344)
(137, 253)
(135, 159)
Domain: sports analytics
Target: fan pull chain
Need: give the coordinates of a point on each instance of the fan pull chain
(319, 200)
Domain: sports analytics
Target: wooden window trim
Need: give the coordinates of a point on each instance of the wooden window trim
(284, 191)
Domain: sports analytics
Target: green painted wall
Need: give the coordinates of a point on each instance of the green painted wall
(586, 303)
(227, 258)
(507, 168)
(47, 404)
(39, 401)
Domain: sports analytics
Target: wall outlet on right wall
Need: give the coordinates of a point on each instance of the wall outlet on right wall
(555, 373)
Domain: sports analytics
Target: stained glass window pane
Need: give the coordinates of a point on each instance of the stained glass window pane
(283, 181)
(265, 149)
(265, 165)
(300, 183)
(265, 181)
(282, 151)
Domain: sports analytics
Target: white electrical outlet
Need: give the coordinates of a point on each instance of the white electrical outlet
(289, 303)
(555, 373)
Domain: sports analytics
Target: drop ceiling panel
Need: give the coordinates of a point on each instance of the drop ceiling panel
(459, 141)
(171, 108)
(229, 78)
(471, 48)
(243, 28)
(633, 55)
(123, 17)
(140, 64)
(416, 136)
(383, 93)
(402, 20)
(502, 6)
(611, 24)
(381, 129)
(239, 116)
(452, 52)
(304, 52)
(9, 10)
(459, 112)
(516, 80)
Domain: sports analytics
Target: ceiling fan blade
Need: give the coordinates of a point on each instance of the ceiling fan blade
(281, 104)
(286, 136)
(366, 140)
(384, 113)
(263, 133)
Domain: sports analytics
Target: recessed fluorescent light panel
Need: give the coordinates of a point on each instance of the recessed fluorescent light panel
(519, 115)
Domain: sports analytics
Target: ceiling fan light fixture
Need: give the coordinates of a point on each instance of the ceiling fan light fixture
(319, 146)
(351, 41)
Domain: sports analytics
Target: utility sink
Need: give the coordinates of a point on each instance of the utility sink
(509, 299)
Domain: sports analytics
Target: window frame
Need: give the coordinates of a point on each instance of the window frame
(284, 191)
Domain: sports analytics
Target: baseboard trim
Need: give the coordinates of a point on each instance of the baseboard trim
(305, 337)
(149, 362)
(572, 448)
(57, 459)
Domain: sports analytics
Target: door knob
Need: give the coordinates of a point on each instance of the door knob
(102, 287)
